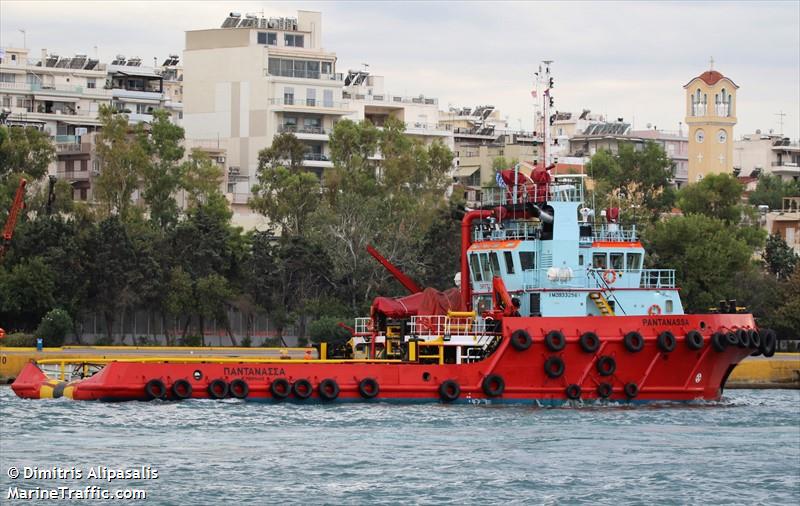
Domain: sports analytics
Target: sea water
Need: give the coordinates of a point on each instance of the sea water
(742, 450)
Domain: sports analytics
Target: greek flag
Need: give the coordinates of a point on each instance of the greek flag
(499, 179)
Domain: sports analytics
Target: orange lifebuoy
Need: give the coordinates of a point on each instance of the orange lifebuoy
(610, 276)
(654, 310)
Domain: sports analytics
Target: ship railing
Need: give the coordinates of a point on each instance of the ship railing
(658, 278)
(364, 326)
(443, 325)
(562, 191)
(615, 232)
(511, 230)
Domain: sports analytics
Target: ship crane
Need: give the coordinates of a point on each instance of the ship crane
(13, 214)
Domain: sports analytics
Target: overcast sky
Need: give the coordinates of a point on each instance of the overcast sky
(625, 59)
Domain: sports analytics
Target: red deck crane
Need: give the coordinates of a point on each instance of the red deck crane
(13, 214)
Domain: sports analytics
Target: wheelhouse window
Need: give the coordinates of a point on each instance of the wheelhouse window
(494, 263)
(475, 268)
(599, 261)
(486, 269)
(634, 261)
(509, 259)
(617, 261)
(527, 260)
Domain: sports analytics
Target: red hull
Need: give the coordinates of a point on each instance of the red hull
(679, 375)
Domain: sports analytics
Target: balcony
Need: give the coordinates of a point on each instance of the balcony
(155, 96)
(306, 74)
(303, 132)
(74, 175)
(310, 105)
(318, 160)
(386, 99)
(417, 128)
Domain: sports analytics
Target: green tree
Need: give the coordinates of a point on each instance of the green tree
(213, 293)
(285, 151)
(779, 257)
(717, 196)
(771, 190)
(786, 318)
(162, 170)
(54, 327)
(707, 254)
(25, 150)
(122, 163)
(201, 178)
(352, 144)
(26, 294)
(286, 197)
(634, 179)
(113, 271)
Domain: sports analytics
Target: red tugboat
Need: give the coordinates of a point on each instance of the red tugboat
(552, 308)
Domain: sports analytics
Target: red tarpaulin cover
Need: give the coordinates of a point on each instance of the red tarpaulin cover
(427, 302)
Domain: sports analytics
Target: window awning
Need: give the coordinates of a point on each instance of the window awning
(56, 97)
(78, 120)
(466, 171)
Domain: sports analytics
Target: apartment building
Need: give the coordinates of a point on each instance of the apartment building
(770, 153)
(254, 78)
(368, 100)
(609, 135)
(63, 95)
(480, 135)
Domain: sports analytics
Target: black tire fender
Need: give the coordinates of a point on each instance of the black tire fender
(493, 385)
(368, 388)
(589, 342)
(181, 389)
(155, 389)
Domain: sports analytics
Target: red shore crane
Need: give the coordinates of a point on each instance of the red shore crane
(13, 214)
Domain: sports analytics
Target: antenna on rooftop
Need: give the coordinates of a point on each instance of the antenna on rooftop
(781, 115)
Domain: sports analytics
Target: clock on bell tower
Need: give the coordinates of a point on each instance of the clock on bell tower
(710, 115)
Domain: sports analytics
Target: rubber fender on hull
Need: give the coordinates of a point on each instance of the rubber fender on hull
(554, 367)
(573, 392)
(634, 342)
(449, 390)
(768, 343)
(589, 342)
(181, 389)
(218, 389)
(155, 389)
(280, 388)
(719, 342)
(694, 340)
(731, 339)
(666, 341)
(493, 385)
(604, 390)
(239, 388)
(742, 338)
(631, 390)
(368, 388)
(328, 389)
(755, 339)
(606, 366)
(521, 340)
(555, 340)
(302, 389)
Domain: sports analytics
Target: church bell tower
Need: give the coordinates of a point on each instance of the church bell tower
(710, 115)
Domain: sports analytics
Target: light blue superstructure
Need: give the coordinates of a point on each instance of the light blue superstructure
(570, 267)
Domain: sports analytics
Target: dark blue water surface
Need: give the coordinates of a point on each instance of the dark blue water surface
(744, 450)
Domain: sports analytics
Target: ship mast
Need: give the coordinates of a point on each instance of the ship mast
(547, 156)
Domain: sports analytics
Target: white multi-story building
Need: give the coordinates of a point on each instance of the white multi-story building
(770, 153)
(368, 100)
(254, 78)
